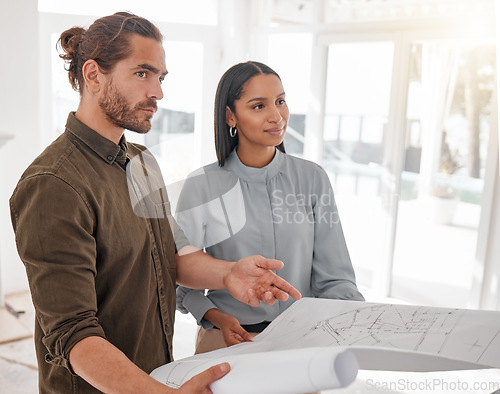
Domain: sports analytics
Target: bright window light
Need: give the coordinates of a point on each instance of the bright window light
(200, 12)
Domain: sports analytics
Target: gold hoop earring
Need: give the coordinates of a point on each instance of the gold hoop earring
(232, 131)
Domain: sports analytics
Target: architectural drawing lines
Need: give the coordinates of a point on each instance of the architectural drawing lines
(389, 326)
(445, 342)
(489, 343)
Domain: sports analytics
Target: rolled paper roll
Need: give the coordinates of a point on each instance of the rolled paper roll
(288, 371)
(273, 372)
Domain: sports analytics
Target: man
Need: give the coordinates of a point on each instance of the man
(102, 264)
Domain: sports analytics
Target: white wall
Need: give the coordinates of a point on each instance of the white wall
(19, 114)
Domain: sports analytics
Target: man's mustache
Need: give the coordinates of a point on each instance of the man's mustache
(148, 104)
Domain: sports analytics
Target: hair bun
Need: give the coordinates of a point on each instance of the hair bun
(69, 42)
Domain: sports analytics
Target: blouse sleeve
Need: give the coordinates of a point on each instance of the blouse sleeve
(332, 272)
(194, 302)
(179, 236)
(191, 218)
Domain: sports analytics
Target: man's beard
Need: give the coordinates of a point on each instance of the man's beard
(119, 113)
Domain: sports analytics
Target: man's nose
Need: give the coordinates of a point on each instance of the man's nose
(156, 91)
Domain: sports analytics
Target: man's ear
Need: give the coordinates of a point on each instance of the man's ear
(92, 76)
(230, 118)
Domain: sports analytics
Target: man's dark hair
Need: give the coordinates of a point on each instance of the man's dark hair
(106, 41)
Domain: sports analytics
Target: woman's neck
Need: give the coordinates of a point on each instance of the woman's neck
(254, 158)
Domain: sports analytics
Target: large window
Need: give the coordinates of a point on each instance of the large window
(408, 172)
(448, 129)
(356, 113)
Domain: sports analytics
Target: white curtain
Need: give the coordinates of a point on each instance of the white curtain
(439, 70)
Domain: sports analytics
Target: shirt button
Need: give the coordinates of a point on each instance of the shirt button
(161, 290)
(155, 251)
(110, 158)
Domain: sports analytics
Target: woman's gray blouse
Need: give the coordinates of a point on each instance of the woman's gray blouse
(286, 211)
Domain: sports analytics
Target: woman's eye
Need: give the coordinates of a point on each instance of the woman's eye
(258, 106)
(281, 102)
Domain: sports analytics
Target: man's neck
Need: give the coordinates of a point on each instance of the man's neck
(97, 121)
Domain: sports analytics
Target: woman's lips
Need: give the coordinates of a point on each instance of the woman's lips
(276, 131)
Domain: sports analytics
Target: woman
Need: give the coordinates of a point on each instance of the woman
(259, 200)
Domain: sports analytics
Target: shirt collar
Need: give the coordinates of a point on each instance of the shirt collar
(106, 149)
(252, 174)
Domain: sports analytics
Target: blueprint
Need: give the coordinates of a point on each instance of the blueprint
(464, 335)
(388, 337)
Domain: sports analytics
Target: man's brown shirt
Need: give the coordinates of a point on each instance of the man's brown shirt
(94, 235)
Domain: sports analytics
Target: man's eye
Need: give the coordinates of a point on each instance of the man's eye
(141, 74)
(162, 79)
